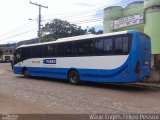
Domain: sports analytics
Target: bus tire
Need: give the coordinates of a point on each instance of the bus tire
(73, 77)
(25, 72)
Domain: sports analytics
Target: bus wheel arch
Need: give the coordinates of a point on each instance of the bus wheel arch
(73, 76)
(25, 72)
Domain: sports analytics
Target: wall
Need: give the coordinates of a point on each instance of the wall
(114, 13)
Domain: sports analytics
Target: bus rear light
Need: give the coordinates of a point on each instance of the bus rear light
(137, 69)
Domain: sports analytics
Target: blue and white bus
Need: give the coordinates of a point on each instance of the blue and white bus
(122, 57)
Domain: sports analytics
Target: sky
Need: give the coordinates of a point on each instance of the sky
(15, 14)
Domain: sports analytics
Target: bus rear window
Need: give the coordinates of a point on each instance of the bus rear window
(122, 44)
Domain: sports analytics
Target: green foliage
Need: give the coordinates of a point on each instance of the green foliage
(92, 30)
(60, 29)
(47, 38)
(99, 32)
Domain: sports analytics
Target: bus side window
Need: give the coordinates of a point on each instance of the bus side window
(99, 47)
(49, 51)
(36, 52)
(60, 50)
(68, 49)
(26, 53)
(46, 50)
(54, 50)
(118, 45)
(78, 48)
(19, 55)
(108, 46)
(125, 45)
(89, 47)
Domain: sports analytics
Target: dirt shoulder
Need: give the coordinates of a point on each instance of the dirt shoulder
(10, 104)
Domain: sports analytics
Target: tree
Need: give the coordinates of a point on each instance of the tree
(47, 38)
(92, 30)
(99, 32)
(59, 29)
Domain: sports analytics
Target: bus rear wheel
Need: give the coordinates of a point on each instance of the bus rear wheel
(25, 72)
(73, 77)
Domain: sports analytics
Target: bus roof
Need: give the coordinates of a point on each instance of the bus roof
(76, 38)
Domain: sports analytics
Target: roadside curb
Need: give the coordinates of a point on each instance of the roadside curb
(155, 85)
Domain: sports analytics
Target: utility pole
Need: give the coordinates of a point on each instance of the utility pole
(39, 19)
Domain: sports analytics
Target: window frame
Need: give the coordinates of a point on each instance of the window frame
(74, 46)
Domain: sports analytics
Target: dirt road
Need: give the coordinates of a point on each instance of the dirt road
(35, 95)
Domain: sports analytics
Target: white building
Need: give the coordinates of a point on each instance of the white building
(7, 54)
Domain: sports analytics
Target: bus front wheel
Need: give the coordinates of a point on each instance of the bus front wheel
(73, 77)
(25, 72)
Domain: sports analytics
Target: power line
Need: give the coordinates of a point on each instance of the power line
(39, 20)
(91, 20)
(15, 29)
(16, 35)
(84, 15)
(78, 22)
(90, 10)
(114, 12)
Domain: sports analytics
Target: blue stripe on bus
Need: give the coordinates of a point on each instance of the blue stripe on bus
(49, 72)
(93, 73)
(106, 75)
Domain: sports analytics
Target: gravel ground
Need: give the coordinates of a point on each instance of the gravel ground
(42, 95)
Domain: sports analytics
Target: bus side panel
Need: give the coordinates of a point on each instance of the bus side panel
(120, 75)
(60, 73)
(106, 75)
(17, 70)
(48, 72)
(88, 74)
